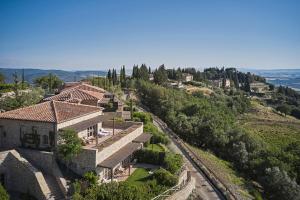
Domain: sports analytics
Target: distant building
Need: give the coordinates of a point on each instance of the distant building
(151, 77)
(221, 83)
(259, 87)
(187, 77)
(227, 83)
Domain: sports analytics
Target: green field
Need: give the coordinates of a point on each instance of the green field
(275, 130)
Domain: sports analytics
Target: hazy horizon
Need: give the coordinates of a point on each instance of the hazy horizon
(74, 35)
(130, 67)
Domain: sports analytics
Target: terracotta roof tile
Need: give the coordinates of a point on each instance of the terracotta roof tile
(80, 92)
(85, 86)
(50, 111)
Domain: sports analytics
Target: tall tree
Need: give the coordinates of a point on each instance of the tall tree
(69, 145)
(2, 78)
(109, 76)
(160, 75)
(144, 72)
(23, 79)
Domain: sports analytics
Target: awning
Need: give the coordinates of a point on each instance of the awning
(120, 155)
(83, 125)
(145, 137)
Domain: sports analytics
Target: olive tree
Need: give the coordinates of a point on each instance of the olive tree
(69, 145)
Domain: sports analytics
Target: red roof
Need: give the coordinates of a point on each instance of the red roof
(85, 86)
(79, 92)
(50, 111)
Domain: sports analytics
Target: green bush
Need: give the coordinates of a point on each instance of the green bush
(170, 161)
(173, 162)
(158, 136)
(150, 157)
(164, 177)
(3, 193)
(142, 117)
(91, 178)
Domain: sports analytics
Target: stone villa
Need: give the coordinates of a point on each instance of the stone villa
(108, 145)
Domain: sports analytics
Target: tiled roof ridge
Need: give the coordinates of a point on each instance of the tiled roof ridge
(76, 104)
(85, 84)
(86, 92)
(54, 110)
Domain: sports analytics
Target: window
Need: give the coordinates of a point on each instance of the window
(34, 130)
(52, 138)
(2, 132)
(90, 131)
(45, 139)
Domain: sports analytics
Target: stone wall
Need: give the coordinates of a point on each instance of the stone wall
(21, 176)
(108, 151)
(41, 159)
(185, 192)
(84, 162)
(11, 128)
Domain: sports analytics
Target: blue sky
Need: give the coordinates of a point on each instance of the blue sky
(81, 35)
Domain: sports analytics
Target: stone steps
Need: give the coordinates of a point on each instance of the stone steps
(56, 193)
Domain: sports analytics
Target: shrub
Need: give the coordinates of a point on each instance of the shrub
(164, 177)
(142, 117)
(158, 137)
(280, 186)
(91, 178)
(170, 161)
(150, 157)
(173, 162)
(3, 193)
(296, 113)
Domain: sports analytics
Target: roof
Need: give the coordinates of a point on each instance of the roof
(50, 111)
(144, 137)
(79, 92)
(86, 123)
(76, 94)
(84, 86)
(120, 155)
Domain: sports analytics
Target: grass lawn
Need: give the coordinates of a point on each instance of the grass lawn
(155, 147)
(139, 176)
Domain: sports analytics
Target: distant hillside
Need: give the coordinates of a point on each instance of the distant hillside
(285, 77)
(31, 74)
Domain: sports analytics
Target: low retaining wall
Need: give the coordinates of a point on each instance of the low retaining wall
(185, 192)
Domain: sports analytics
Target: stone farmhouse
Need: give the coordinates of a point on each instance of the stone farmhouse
(83, 93)
(186, 77)
(221, 82)
(259, 87)
(108, 145)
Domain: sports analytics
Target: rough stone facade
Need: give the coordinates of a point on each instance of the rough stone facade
(11, 131)
(19, 175)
